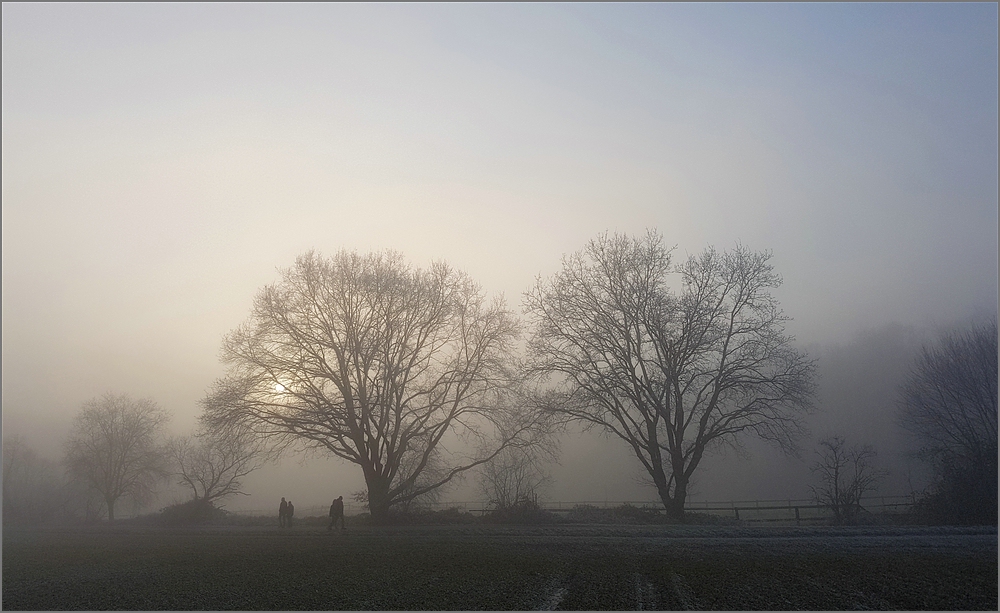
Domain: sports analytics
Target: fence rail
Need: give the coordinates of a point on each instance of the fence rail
(784, 510)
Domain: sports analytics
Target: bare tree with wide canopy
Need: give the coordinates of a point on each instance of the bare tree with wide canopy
(670, 373)
(399, 370)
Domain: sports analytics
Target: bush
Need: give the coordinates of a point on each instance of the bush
(965, 495)
(195, 511)
(446, 516)
(525, 511)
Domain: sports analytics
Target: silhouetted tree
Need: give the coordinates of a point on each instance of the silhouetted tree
(378, 363)
(32, 490)
(846, 475)
(214, 463)
(949, 403)
(78, 501)
(670, 373)
(427, 499)
(515, 476)
(115, 448)
(16, 457)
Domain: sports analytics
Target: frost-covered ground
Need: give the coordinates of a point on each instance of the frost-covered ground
(502, 567)
(817, 538)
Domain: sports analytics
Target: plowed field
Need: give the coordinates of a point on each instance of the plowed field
(502, 568)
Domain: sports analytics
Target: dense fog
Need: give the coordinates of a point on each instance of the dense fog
(162, 163)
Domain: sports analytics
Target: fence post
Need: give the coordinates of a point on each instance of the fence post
(737, 509)
(797, 516)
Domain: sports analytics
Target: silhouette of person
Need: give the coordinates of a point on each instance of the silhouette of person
(289, 513)
(282, 512)
(337, 512)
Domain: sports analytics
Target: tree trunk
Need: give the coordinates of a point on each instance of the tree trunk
(660, 480)
(111, 509)
(378, 498)
(674, 505)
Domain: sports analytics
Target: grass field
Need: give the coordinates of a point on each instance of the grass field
(500, 567)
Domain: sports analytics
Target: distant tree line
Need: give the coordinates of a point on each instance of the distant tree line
(949, 404)
(415, 376)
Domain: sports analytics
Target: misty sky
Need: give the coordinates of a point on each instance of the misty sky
(160, 163)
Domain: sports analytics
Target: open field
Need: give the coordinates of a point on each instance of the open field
(501, 567)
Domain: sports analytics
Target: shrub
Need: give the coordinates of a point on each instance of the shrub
(965, 494)
(524, 511)
(195, 511)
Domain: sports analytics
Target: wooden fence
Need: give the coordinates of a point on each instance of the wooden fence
(769, 511)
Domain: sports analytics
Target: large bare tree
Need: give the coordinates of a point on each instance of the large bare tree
(669, 370)
(394, 368)
(115, 447)
(949, 403)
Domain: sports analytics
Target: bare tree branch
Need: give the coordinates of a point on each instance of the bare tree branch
(213, 463)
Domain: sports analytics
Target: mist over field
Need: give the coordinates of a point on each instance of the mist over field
(162, 164)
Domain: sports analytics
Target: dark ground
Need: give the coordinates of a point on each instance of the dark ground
(500, 567)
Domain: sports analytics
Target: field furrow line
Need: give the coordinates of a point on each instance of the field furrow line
(645, 594)
(683, 592)
(553, 594)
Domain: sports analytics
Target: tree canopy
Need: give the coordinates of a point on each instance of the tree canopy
(400, 370)
(115, 447)
(949, 403)
(668, 372)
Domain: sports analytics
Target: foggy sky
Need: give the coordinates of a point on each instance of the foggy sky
(160, 163)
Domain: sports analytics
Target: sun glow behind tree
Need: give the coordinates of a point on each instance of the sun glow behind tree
(377, 363)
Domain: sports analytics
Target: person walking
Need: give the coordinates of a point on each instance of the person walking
(337, 513)
(289, 513)
(282, 512)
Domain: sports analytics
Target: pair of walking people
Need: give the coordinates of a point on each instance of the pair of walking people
(285, 512)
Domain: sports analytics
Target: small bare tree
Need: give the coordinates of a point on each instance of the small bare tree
(115, 448)
(516, 476)
(846, 475)
(213, 464)
(668, 373)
